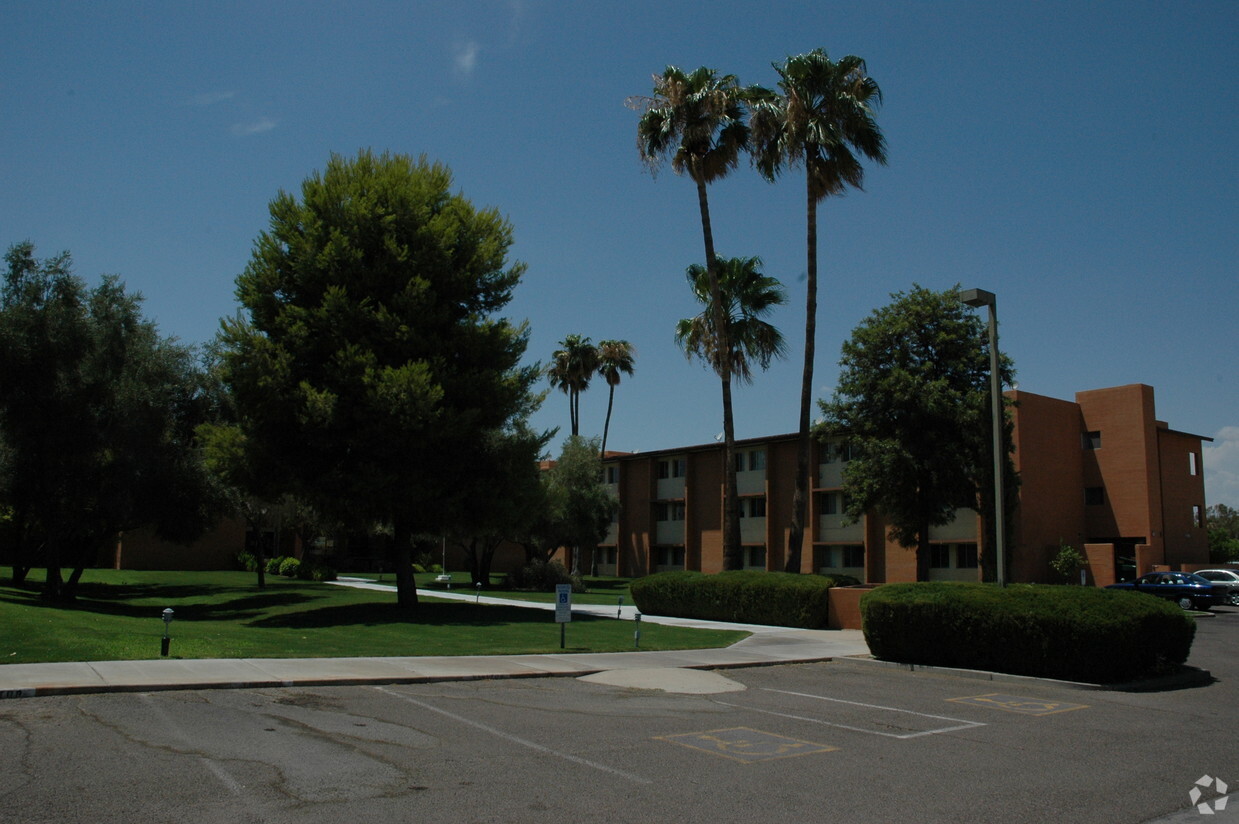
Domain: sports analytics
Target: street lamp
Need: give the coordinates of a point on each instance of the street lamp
(975, 298)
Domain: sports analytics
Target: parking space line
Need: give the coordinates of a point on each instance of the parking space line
(957, 723)
(1019, 704)
(517, 739)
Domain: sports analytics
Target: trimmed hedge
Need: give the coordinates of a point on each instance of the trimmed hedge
(747, 597)
(1071, 633)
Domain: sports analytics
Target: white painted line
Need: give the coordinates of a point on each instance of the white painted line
(516, 739)
(958, 723)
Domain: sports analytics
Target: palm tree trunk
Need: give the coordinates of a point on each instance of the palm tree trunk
(733, 553)
(606, 427)
(795, 534)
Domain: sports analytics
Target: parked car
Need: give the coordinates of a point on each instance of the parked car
(1228, 578)
(1185, 589)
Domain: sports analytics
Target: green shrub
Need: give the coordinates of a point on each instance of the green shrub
(1072, 633)
(289, 567)
(748, 597)
(543, 576)
(246, 561)
(273, 564)
(418, 569)
(321, 572)
(313, 571)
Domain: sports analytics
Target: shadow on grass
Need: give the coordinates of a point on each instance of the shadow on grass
(101, 600)
(427, 614)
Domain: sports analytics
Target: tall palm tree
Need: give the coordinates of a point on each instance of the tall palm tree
(746, 296)
(697, 120)
(615, 358)
(821, 119)
(572, 365)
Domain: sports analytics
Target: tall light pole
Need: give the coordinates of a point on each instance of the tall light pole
(975, 298)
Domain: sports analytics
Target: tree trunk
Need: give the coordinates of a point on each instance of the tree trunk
(402, 551)
(733, 552)
(484, 561)
(606, 427)
(795, 534)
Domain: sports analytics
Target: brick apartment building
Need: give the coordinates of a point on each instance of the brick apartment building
(1099, 473)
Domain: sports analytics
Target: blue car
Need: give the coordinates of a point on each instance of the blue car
(1185, 589)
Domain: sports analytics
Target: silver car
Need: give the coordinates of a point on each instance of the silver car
(1227, 578)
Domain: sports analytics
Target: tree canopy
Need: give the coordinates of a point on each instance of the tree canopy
(369, 366)
(97, 420)
(913, 396)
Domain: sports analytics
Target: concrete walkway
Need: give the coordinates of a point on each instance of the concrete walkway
(767, 645)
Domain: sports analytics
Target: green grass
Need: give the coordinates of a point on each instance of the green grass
(602, 590)
(225, 615)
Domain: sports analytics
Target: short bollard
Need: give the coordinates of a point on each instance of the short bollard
(478, 600)
(167, 619)
(619, 607)
(636, 636)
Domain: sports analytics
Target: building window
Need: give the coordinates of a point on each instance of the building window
(1094, 496)
(669, 556)
(606, 555)
(757, 460)
(753, 507)
(940, 556)
(1193, 463)
(966, 556)
(830, 503)
(1092, 439)
(1198, 515)
(664, 470)
(612, 474)
(668, 510)
(679, 467)
(853, 556)
(755, 557)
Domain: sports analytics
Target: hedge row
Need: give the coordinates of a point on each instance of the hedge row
(1071, 633)
(747, 597)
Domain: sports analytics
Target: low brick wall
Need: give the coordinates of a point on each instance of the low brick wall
(843, 606)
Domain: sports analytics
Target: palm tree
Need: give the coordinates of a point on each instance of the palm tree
(746, 297)
(821, 120)
(572, 365)
(697, 121)
(615, 357)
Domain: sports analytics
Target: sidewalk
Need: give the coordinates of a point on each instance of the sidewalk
(767, 645)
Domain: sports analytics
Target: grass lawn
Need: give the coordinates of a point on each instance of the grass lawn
(225, 615)
(602, 590)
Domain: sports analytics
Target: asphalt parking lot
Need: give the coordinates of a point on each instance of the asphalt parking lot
(847, 741)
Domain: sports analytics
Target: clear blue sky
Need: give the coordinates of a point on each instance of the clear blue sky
(1077, 159)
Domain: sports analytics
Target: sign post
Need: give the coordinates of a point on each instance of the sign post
(563, 609)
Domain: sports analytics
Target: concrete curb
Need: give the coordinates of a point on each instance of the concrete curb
(1186, 677)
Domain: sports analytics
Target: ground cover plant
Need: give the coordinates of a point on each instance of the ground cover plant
(1072, 633)
(223, 615)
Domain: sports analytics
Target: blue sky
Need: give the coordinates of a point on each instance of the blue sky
(1077, 159)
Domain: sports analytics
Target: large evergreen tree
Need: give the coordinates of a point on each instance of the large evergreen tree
(370, 367)
(97, 420)
(913, 396)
